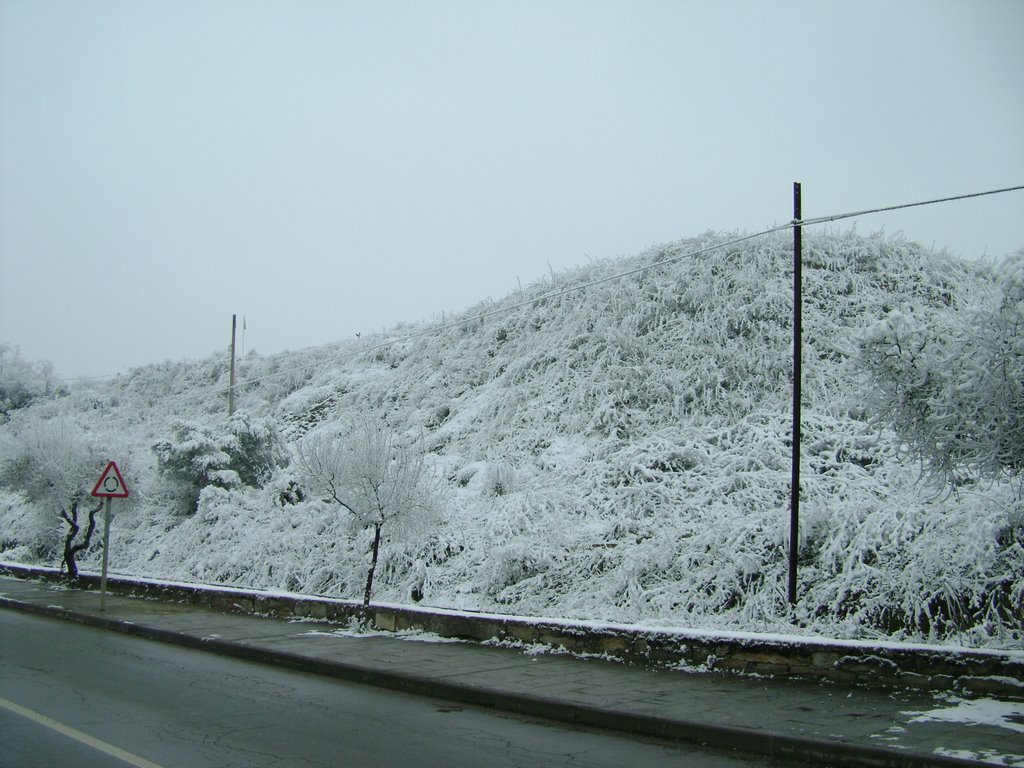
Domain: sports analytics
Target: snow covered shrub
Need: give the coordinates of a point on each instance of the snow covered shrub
(499, 478)
(241, 451)
(905, 569)
(22, 381)
(286, 489)
(513, 569)
(374, 475)
(948, 377)
(953, 386)
(54, 464)
(648, 422)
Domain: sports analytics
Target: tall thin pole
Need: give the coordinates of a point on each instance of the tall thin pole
(106, 550)
(794, 488)
(231, 380)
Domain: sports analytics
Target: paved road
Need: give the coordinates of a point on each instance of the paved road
(167, 706)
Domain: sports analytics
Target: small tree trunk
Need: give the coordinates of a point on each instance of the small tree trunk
(69, 553)
(71, 549)
(373, 563)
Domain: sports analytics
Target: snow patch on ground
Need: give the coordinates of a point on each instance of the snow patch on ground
(1001, 714)
(356, 629)
(985, 756)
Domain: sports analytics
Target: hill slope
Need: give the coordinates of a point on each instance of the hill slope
(619, 452)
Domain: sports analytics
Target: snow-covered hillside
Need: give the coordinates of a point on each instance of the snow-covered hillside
(619, 452)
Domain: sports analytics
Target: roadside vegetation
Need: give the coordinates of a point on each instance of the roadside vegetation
(618, 453)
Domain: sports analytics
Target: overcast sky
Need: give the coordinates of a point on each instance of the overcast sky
(327, 168)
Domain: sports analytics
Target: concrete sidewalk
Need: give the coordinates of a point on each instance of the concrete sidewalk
(824, 724)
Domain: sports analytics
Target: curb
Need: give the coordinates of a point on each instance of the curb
(727, 738)
(880, 666)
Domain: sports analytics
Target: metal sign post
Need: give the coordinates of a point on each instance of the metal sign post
(110, 486)
(106, 549)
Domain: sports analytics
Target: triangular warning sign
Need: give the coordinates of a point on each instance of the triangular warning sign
(111, 485)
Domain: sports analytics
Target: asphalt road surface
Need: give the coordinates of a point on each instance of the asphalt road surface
(72, 695)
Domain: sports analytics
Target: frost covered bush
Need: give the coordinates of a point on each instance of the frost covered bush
(373, 474)
(935, 570)
(54, 465)
(647, 421)
(23, 381)
(499, 478)
(240, 451)
(953, 386)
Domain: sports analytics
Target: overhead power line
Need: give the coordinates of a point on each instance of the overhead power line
(586, 286)
(840, 216)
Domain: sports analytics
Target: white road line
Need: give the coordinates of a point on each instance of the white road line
(84, 738)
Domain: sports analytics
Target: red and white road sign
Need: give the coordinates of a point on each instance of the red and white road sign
(111, 485)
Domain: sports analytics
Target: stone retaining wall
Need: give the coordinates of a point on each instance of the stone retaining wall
(969, 673)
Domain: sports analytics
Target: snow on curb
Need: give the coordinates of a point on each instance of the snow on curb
(969, 672)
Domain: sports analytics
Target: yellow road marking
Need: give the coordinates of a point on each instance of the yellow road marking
(84, 738)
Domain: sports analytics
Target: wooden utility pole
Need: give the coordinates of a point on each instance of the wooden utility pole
(231, 379)
(794, 488)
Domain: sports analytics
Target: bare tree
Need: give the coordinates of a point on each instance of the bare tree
(374, 475)
(54, 466)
